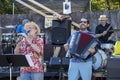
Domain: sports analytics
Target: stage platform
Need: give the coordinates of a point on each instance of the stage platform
(52, 76)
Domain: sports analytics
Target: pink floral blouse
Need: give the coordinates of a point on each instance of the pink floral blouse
(37, 58)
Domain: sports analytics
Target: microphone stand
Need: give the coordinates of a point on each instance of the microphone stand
(61, 70)
(13, 41)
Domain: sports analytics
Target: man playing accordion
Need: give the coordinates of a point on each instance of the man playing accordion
(79, 67)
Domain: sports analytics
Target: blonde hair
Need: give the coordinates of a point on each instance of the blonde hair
(32, 24)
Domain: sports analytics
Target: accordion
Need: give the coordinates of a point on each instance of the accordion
(80, 43)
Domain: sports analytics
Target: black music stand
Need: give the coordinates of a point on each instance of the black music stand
(13, 60)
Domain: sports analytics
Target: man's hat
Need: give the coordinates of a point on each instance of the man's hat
(102, 17)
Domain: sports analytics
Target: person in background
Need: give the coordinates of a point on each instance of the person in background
(20, 27)
(31, 45)
(104, 31)
(116, 50)
(77, 66)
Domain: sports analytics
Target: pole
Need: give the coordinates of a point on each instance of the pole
(66, 0)
(90, 3)
(10, 71)
(13, 7)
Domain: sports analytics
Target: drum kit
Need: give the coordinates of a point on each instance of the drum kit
(8, 38)
(100, 58)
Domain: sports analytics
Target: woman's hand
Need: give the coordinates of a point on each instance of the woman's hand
(16, 50)
(28, 39)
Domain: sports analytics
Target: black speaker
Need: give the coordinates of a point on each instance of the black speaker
(59, 61)
(112, 79)
(61, 30)
(113, 68)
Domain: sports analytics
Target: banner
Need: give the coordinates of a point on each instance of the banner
(66, 7)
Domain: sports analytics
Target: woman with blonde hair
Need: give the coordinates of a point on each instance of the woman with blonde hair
(31, 45)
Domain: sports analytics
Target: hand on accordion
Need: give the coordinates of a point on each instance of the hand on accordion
(91, 50)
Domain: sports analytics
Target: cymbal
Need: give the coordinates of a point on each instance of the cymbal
(10, 26)
(114, 30)
(2, 28)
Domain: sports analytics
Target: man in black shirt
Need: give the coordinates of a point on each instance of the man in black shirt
(104, 31)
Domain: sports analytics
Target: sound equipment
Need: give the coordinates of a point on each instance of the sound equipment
(113, 68)
(113, 79)
(48, 52)
(61, 30)
(80, 43)
(60, 64)
(59, 61)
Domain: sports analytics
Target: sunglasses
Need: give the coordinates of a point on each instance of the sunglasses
(83, 21)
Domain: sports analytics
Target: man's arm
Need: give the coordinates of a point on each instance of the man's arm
(101, 34)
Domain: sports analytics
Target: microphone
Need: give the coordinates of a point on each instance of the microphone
(22, 34)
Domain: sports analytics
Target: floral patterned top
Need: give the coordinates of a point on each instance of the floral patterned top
(26, 49)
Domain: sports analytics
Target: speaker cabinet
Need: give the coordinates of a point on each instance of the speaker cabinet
(61, 30)
(113, 68)
(59, 61)
(113, 79)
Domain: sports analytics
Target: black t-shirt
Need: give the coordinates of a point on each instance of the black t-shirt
(99, 29)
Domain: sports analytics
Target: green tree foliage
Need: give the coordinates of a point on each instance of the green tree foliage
(6, 7)
(105, 5)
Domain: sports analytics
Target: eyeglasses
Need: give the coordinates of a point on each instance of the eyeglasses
(83, 21)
